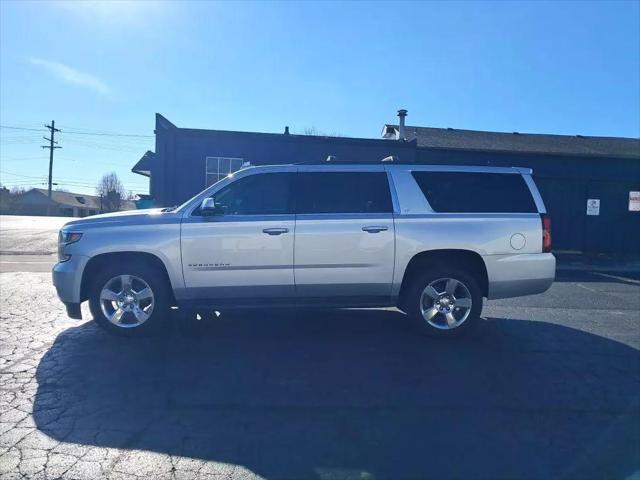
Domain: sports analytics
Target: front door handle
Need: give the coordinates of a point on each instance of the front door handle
(375, 228)
(275, 231)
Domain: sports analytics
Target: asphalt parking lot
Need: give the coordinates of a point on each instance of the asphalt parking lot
(547, 388)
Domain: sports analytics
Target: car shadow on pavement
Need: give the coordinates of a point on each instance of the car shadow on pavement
(352, 394)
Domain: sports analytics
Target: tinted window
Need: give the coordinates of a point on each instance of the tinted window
(261, 194)
(343, 192)
(476, 192)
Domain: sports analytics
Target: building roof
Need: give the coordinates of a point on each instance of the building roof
(71, 199)
(576, 145)
(79, 200)
(143, 167)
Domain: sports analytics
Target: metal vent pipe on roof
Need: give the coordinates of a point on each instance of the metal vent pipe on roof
(402, 113)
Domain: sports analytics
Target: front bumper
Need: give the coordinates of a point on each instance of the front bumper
(73, 310)
(520, 274)
(67, 278)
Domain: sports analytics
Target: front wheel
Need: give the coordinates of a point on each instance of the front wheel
(444, 302)
(129, 300)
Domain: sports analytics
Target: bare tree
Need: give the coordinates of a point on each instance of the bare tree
(111, 192)
(313, 131)
(8, 198)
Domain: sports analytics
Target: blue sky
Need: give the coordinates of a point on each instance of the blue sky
(565, 67)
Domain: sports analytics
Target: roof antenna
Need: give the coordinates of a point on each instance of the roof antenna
(390, 159)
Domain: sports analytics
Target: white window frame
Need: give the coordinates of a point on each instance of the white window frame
(212, 168)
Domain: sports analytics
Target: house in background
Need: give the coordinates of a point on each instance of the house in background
(62, 204)
(570, 170)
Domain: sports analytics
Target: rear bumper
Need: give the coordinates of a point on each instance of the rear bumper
(519, 275)
(67, 278)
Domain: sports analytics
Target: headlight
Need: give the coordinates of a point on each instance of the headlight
(65, 238)
(69, 237)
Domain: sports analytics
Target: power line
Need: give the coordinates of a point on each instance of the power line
(18, 175)
(35, 176)
(134, 135)
(105, 146)
(20, 159)
(24, 183)
(79, 132)
(22, 128)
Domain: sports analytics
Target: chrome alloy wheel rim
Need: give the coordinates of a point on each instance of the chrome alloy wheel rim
(126, 301)
(445, 303)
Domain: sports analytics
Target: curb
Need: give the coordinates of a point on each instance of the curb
(23, 252)
(633, 268)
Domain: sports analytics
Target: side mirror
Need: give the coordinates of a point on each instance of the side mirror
(208, 208)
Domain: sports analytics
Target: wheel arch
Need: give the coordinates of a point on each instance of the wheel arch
(467, 259)
(99, 261)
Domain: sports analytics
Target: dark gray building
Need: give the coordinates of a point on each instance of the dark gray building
(569, 170)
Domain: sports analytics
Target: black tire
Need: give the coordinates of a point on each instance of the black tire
(412, 301)
(156, 282)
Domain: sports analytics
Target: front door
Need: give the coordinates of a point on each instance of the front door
(344, 243)
(247, 250)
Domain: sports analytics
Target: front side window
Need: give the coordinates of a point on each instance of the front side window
(467, 192)
(343, 192)
(219, 167)
(259, 194)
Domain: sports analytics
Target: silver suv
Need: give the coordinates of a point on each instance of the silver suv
(431, 240)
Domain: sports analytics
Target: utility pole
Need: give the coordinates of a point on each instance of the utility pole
(52, 146)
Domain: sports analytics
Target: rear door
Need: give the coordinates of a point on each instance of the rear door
(344, 242)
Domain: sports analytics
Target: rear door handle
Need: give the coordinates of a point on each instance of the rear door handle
(375, 228)
(275, 231)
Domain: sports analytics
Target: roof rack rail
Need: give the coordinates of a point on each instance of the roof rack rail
(524, 170)
(339, 161)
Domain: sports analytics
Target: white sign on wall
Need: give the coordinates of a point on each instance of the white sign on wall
(634, 201)
(593, 206)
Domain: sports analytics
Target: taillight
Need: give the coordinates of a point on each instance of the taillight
(546, 233)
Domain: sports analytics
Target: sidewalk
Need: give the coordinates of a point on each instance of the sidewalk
(597, 262)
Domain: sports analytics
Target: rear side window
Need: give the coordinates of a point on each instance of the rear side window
(343, 192)
(464, 192)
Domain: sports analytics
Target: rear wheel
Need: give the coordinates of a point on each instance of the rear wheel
(444, 302)
(129, 300)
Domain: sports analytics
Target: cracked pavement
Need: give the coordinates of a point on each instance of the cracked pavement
(547, 388)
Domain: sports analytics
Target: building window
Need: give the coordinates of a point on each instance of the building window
(219, 167)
